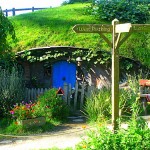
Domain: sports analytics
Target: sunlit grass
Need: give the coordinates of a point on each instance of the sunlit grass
(53, 27)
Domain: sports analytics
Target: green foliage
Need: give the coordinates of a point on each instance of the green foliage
(135, 136)
(98, 106)
(53, 106)
(134, 12)
(11, 89)
(6, 31)
(12, 127)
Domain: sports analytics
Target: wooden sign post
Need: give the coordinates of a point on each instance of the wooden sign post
(115, 29)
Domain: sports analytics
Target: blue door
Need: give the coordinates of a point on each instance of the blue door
(63, 72)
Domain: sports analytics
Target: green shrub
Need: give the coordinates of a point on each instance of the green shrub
(135, 136)
(135, 11)
(52, 106)
(11, 89)
(104, 139)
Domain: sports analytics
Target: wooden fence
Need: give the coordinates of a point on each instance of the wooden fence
(13, 10)
(73, 97)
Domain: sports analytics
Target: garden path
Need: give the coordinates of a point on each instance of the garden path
(65, 135)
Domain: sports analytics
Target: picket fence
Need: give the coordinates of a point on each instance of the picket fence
(74, 97)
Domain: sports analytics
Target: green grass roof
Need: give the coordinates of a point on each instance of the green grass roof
(53, 27)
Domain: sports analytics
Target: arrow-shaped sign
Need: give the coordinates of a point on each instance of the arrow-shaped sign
(123, 27)
(104, 28)
(92, 28)
(140, 28)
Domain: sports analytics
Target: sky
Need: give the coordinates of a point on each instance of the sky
(9, 4)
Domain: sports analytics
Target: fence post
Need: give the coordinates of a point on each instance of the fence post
(32, 9)
(6, 13)
(65, 92)
(82, 95)
(90, 90)
(13, 11)
(76, 96)
(69, 93)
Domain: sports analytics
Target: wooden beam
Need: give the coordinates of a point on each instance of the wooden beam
(105, 39)
(123, 40)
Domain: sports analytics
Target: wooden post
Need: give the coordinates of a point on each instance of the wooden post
(82, 95)
(115, 79)
(76, 96)
(69, 93)
(6, 13)
(32, 9)
(13, 11)
(65, 88)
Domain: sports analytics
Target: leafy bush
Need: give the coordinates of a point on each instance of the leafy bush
(52, 105)
(132, 11)
(135, 136)
(11, 89)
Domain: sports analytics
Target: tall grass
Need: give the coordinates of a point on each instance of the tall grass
(12, 88)
(98, 106)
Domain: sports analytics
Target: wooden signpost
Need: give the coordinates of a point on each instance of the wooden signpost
(115, 29)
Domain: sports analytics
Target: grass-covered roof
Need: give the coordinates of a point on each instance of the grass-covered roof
(53, 27)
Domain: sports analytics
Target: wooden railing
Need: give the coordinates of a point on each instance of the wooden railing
(73, 97)
(33, 93)
(13, 10)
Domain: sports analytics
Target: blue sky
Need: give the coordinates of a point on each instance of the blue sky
(8, 4)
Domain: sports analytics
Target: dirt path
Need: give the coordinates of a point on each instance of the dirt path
(66, 135)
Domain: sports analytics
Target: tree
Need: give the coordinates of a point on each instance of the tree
(6, 31)
(75, 1)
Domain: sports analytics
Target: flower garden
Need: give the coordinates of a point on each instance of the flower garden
(19, 117)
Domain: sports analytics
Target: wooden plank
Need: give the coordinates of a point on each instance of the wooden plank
(65, 88)
(82, 95)
(76, 96)
(123, 40)
(69, 94)
(92, 28)
(140, 28)
(105, 39)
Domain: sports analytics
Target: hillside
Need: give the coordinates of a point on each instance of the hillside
(53, 27)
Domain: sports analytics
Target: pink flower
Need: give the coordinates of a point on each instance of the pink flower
(12, 112)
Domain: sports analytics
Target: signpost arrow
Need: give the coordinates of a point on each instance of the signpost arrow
(92, 28)
(140, 28)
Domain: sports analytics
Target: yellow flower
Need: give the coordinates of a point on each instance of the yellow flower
(84, 126)
(84, 146)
